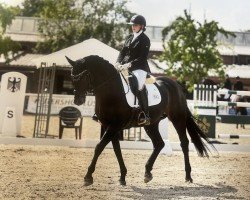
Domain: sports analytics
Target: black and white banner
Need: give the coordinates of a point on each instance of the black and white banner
(61, 101)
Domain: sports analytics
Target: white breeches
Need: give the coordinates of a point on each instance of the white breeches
(141, 76)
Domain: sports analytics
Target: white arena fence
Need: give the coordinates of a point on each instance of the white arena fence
(205, 98)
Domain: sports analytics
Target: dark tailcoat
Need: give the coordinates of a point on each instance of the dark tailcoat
(135, 52)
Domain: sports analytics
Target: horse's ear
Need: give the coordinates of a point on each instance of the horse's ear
(70, 61)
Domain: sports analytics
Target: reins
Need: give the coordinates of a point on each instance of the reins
(104, 82)
(79, 76)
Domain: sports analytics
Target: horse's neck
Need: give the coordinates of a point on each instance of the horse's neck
(107, 82)
(110, 89)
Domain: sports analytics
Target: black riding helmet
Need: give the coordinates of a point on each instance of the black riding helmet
(138, 19)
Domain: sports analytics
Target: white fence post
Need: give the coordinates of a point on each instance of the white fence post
(12, 94)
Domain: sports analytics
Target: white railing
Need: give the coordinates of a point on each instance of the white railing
(206, 96)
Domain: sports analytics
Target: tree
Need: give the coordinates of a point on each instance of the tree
(191, 49)
(7, 46)
(32, 8)
(67, 22)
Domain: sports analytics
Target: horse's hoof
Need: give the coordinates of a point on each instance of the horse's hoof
(122, 182)
(148, 177)
(189, 180)
(88, 181)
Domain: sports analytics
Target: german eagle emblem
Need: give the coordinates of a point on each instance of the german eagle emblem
(14, 84)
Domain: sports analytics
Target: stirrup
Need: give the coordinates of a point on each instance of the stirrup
(143, 119)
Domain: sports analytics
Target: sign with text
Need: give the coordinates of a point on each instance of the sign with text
(9, 120)
(60, 101)
(12, 94)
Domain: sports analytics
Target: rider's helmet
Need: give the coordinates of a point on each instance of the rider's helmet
(138, 19)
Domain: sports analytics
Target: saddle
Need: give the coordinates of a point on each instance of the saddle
(154, 96)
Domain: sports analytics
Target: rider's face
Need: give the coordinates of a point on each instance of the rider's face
(136, 28)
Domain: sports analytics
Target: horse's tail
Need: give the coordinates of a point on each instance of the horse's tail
(197, 135)
(177, 105)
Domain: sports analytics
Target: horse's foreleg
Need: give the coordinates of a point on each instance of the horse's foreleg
(88, 179)
(118, 153)
(158, 144)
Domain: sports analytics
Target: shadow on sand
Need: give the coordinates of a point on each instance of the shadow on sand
(198, 191)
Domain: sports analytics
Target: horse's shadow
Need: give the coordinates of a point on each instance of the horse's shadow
(181, 192)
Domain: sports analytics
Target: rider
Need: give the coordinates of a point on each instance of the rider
(133, 57)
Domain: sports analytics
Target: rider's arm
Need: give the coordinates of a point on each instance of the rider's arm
(124, 49)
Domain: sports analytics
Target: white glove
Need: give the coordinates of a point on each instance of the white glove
(124, 67)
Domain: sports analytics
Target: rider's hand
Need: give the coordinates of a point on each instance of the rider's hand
(124, 67)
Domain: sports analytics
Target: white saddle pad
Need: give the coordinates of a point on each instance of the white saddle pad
(154, 96)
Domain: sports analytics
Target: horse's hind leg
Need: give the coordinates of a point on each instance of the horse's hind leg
(180, 126)
(158, 143)
(88, 179)
(118, 153)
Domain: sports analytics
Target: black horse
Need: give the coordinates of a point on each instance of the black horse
(95, 74)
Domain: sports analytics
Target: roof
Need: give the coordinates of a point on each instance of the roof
(24, 29)
(25, 37)
(156, 46)
(25, 60)
(156, 66)
(234, 50)
(78, 51)
(223, 50)
(243, 71)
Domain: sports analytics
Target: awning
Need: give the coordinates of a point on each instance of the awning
(78, 51)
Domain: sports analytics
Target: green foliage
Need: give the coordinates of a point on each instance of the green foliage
(67, 22)
(7, 46)
(6, 17)
(32, 8)
(191, 49)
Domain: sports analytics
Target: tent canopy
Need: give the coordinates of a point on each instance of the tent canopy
(78, 51)
(95, 47)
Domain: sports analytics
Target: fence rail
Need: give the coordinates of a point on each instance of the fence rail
(206, 96)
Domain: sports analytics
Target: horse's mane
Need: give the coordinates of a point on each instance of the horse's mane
(97, 60)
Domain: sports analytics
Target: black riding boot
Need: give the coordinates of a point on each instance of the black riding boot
(143, 102)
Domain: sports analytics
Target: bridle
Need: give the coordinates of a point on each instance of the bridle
(79, 76)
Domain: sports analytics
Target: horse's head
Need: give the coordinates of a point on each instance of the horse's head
(81, 80)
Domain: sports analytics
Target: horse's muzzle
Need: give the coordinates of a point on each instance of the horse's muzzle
(79, 100)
